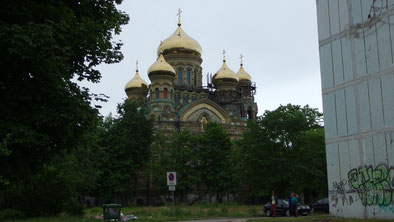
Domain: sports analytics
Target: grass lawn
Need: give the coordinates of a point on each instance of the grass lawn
(181, 212)
(317, 218)
(59, 219)
(197, 211)
(166, 213)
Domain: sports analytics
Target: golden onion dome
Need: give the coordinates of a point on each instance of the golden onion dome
(243, 75)
(179, 40)
(161, 66)
(136, 82)
(225, 73)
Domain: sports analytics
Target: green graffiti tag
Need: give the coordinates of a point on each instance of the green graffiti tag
(373, 186)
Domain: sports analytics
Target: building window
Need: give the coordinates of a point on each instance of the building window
(157, 93)
(249, 113)
(177, 99)
(188, 73)
(195, 78)
(180, 76)
(185, 98)
(193, 98)
(165, 93)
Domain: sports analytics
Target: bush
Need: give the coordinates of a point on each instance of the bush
(74, 209)
(224, 211)
(11, 214)
(212, 212)
(253, 211)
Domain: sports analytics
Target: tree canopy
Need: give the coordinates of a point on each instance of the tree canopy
(126, 142)
(215, 166)
(44, 46)
(284, 150)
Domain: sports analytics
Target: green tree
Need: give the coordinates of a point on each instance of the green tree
(184, 161)
(44, 45)
(159, 164)
(277, 150)
(311, 155)
(126, 140)
(176, 153)
(215, 166)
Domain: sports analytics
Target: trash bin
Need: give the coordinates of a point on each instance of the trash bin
(111, 212)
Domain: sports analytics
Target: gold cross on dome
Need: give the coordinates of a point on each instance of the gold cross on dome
(136, 64)
(179, 15)
(241, 57)
(224, 55)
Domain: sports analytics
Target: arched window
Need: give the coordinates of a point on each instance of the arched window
(193, 98)
(188, 73)
(157, 93)
(185, 98)
(165, 93)
(180, 76)
(177, 99)
(195, 78)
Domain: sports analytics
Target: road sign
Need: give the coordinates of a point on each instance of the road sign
(171, 178)
(171, 188)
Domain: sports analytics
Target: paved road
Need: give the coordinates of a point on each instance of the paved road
(225, 220)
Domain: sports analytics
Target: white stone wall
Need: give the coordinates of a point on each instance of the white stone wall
(357, 72)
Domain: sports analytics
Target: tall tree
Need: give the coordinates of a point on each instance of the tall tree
(277, 148)
(159, 164)
(215, 166)
(311, 155)
(127, 142)
(43, 46)
(184, 161)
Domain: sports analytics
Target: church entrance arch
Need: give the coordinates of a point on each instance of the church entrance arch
(205, 110)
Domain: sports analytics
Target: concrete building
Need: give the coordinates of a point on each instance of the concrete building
(356, 39)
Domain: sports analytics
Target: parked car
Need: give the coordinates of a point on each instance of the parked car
(303, 210)
(282, 208)
(320, 205)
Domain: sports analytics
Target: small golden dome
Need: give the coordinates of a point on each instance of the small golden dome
(136, 82)
(161, 65)
(243, 75)
(137, 88)
(179, 40)
(225, 73)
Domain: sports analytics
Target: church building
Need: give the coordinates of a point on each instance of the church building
(176, 97)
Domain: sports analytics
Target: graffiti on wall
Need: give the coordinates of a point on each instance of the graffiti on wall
(340, 194)
(387, 209)
(374, 186)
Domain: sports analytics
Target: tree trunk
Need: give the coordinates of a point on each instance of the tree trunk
(310, 197)
(147, 190)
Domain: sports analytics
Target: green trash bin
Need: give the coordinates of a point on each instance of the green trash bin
(111, 212)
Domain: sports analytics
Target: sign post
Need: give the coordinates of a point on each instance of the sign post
(171, 182)
(171, 188)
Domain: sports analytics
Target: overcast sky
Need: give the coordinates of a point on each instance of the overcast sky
(278, 40)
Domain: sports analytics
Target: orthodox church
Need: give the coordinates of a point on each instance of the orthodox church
(176, 97)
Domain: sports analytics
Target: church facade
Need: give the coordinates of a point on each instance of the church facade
(176, 97)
